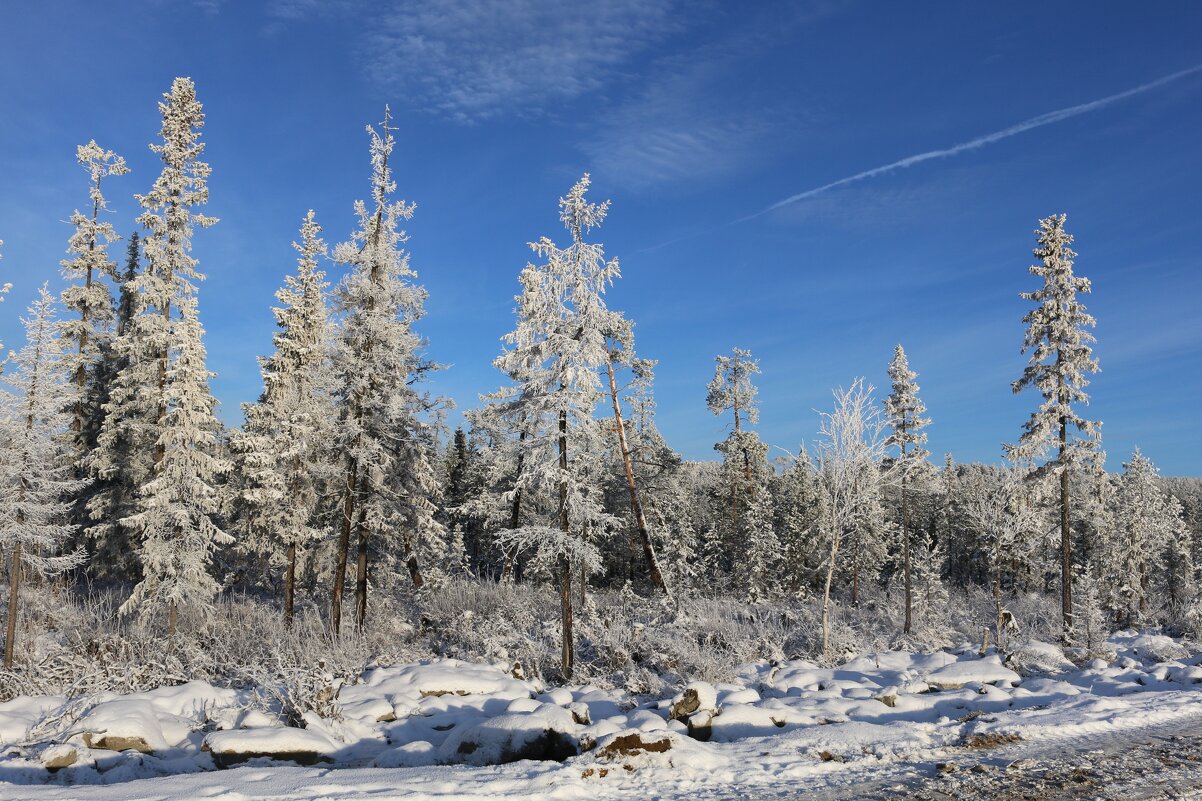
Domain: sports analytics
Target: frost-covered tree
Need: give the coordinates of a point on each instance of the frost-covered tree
(999, 507)
(161, 402)
(117, 465)
(37, 478)
(668, 487)
(169, 218)
(87, 294)
(850, 450)
(175, 521)
(281, 452)
(390, 487)
(131, 442)
(558, 350)
(1058, 341)
(620, 346)
(756, 569)
(732, 389)
(1147, 525)
(798, 500)
(905, 412)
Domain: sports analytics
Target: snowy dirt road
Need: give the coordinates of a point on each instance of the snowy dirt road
(1162, 761)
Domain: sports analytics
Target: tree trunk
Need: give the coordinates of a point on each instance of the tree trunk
(415, 571)
(906, 555)
(515, 510)
(361, 580)
(1066, 542)
(290, 585)
(344, 546)
(568, 651)
(826, 595)
(640, 520)
(855, 577)
(14, 585)
(172, 619)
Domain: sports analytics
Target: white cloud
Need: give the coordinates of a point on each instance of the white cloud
(475, 59)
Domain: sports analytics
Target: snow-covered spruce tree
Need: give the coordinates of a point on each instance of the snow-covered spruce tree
(905, 412)
(37, 478)
(850, 451)
(1147, 536)
(165, 383)
(1179, 585)
(117, 465)
(745, 467)
(798, 500)
(559, 349)
(280, 454)
(169, 217)
(88, 296)
(389, 488)
(131, 442)
(176, 507)
(1060, 357)
(508, 419)
(1089, 615)
(757, 570)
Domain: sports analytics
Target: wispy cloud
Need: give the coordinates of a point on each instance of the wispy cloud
(696, 117)
(471, 60)
(669, 133)
(981, 141)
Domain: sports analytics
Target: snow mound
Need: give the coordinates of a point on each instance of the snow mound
(282, 743)
(987, 670)
(549, 732)
(1039, 658)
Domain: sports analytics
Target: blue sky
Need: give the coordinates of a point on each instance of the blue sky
(695, 119)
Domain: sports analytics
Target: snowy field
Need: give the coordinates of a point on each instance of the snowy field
(451, 729)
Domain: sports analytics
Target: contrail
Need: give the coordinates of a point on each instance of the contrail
(988, 139)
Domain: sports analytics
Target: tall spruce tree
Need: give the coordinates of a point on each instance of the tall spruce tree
(905, 412)
(390, 487)
(1059, 343)
(37, 478)
(280, 453)
(88, 296)
(161, 397)
(560, 347)
(745, 465)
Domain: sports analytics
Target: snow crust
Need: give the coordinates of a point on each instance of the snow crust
(456, 724)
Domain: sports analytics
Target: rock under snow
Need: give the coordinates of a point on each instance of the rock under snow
(279, 743)
(549, 732)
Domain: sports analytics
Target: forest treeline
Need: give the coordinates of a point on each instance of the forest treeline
(344, 483)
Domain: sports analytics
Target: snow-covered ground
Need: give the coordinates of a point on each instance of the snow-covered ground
(439, 730)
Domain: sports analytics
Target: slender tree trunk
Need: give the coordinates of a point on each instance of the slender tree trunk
(905, 533)
(344, 546)
(568, 654)
(14, 588)
(515, 509)
(640, 520)
(415, 571)
(1066, 542)
(290, 585)
(997, 597)
(361, 579)
(855, 577)
(734, 484)
(826, 594)
(172, 619)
